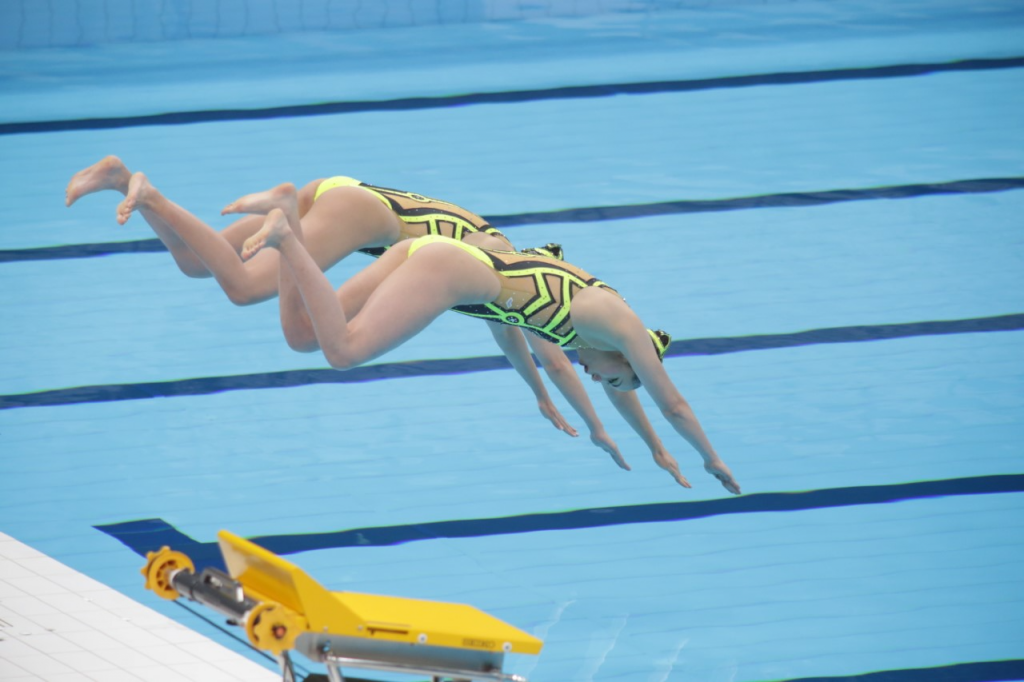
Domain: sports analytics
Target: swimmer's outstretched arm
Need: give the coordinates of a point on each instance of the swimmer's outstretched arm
(677, 411)
(685, 423)
(609, 321)
(563, 375)
(513, 345)
(628, 405)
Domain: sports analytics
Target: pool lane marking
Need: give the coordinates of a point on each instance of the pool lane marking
(602, 213)
(443, 367)
(781, 78)
(147, 535)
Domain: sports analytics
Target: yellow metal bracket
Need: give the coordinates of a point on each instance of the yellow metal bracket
(282, 608)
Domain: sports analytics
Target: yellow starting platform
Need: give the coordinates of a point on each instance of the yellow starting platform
(283, 609)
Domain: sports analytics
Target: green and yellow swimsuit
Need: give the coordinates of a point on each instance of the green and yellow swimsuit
(542, 305)
(423, 214)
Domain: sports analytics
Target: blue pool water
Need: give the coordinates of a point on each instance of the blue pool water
(820, 199)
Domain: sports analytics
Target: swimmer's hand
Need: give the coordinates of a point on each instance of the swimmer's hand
(551, 413)
(669, 464)
(720, 470)
(601, 439)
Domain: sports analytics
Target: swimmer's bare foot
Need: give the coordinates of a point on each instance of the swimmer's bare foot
(138, 193)
(284, 197)
(108, 173)
(275, 230)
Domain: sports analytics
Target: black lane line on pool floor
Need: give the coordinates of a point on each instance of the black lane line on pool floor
(148, 535)
(397, 370)
(601, 213)
(512, 96)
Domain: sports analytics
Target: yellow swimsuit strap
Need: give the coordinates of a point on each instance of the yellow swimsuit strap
(473, 251)
(343, 181)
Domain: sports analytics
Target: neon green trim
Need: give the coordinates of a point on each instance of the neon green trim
(336, 181)
(344, 181)
(441, 239)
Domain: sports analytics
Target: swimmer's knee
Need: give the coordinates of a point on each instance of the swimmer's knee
(194, 271)
(191, 266)
(340, 360)
(301, 342)
(350, 352)
(243, 296)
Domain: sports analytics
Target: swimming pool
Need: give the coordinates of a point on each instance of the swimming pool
(820, 200)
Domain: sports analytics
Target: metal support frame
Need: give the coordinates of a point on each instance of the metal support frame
(269, 597)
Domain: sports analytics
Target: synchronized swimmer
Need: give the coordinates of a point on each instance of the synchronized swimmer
(433, 257)
(343, 216)
(413, 283)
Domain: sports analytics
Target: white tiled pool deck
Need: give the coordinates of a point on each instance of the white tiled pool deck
(58, 625)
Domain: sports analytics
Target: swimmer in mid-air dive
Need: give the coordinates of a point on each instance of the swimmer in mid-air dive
(341, 216)
(413, 283)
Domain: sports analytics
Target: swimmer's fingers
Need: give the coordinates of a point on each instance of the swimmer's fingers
(551, 413)
(720, 470)
(669, 464)
(602, 440)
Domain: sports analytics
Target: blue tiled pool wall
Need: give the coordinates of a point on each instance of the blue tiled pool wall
(69, 23)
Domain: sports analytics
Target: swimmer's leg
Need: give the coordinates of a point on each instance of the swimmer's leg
(110, 173)
(409, 294)
(107, 173)
(341, 221)
(216, 252)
